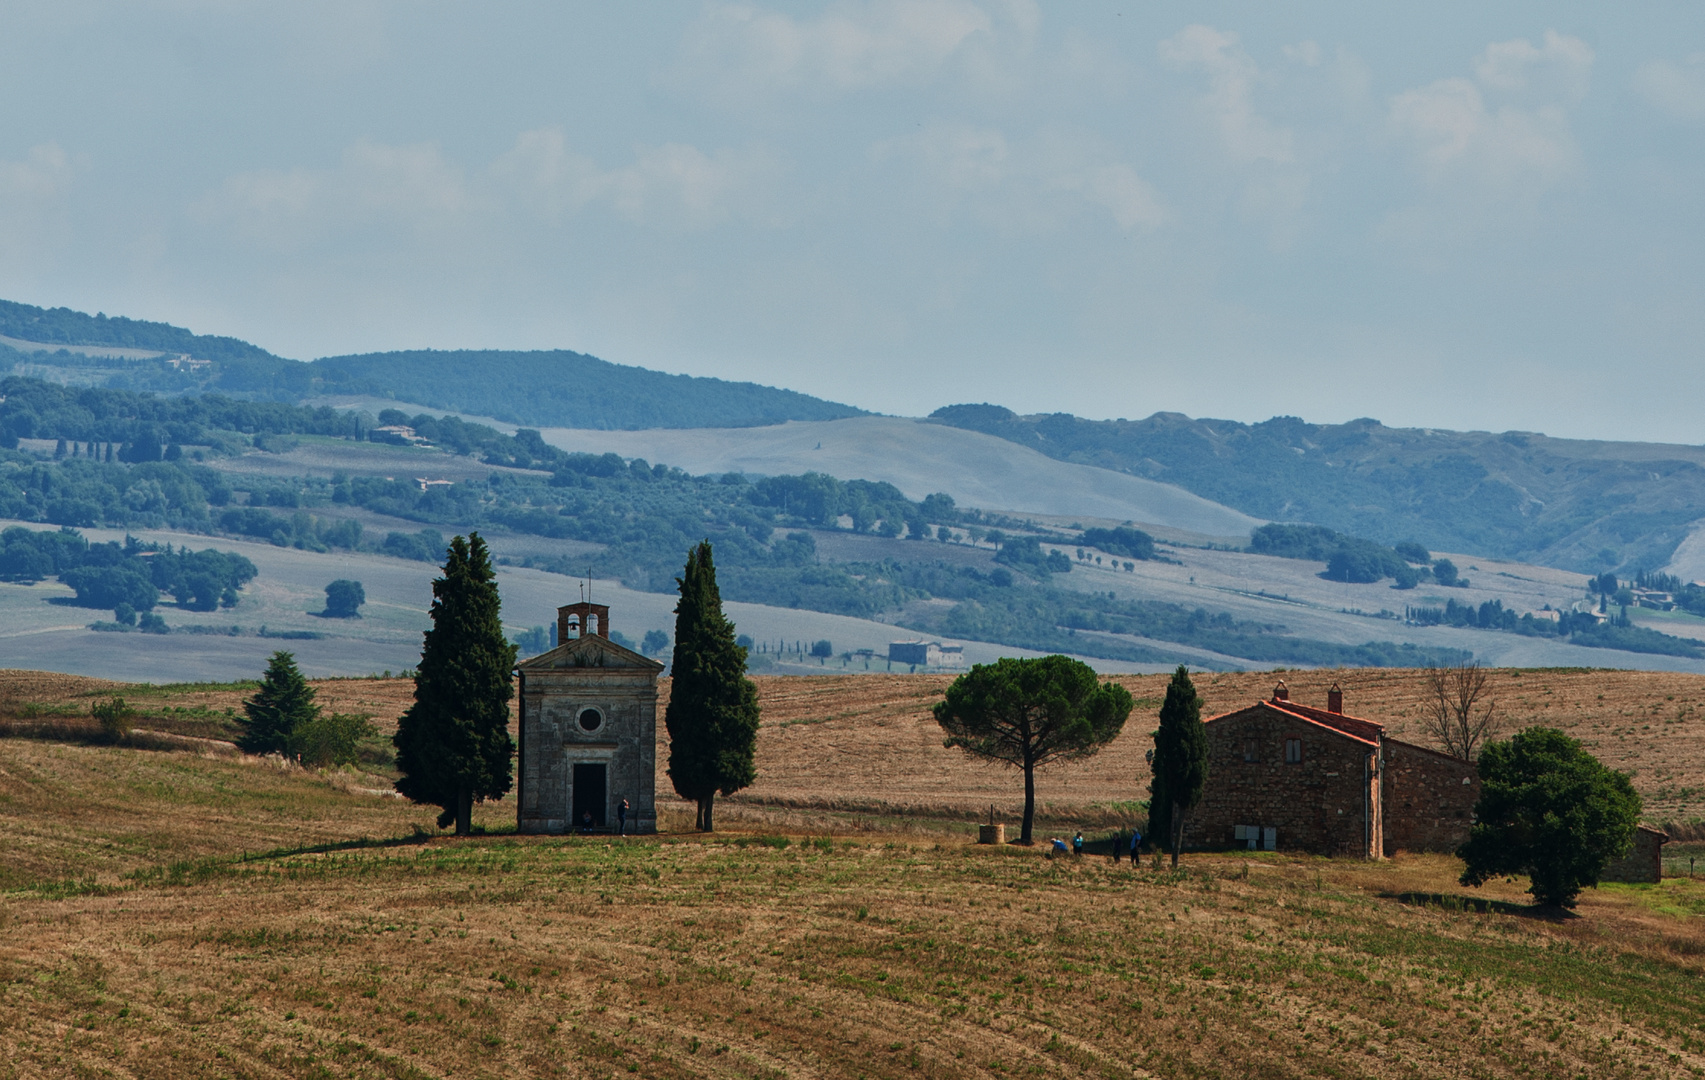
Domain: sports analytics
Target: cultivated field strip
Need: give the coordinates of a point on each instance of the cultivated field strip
(777, 957)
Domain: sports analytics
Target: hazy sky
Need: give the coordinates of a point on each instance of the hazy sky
(1463, 215)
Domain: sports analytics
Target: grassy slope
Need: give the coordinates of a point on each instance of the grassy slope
(677, 957)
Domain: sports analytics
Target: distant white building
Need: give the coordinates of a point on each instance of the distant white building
(926, 654)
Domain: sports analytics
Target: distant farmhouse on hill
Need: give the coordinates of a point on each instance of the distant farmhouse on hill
(927, 654)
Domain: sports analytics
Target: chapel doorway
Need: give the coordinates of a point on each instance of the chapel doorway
(589, 793)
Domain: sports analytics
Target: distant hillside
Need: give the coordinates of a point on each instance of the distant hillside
(568, 389)
(62, 326)
(554, 389)
(1574, 504)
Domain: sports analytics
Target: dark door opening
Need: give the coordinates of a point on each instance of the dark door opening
(589, 794)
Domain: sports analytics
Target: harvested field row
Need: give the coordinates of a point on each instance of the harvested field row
(764, 956)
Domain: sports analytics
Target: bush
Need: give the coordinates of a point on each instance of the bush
(110, 586)
(329, 740)
(150, 623)
(1550, 810)
(1125, 542)
(115, 717)
(344, 599)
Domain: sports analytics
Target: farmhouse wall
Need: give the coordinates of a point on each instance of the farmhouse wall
(1429, 798)
(1320, 804)
(1644, 863)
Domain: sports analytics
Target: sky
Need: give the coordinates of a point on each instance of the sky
(1465, 215)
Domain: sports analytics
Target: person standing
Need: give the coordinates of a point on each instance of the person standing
(1136, 846)
(622, 818)
(1077, 843)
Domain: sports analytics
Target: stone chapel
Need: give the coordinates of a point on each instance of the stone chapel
(588, 730)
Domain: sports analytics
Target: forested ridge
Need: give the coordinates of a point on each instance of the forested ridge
(1578, 505)
(556, 388)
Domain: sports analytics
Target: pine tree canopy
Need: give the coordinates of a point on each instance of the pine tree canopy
(712, 716)
(1180, 759)
(453, 744)
(1550, 810)
(1031, 712)
(283, 701)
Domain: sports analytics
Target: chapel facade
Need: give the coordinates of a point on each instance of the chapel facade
(1288, 776)
(588, 731)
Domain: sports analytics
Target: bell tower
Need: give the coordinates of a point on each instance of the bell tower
(584, 618)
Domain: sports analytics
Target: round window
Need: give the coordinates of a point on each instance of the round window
(591, 720)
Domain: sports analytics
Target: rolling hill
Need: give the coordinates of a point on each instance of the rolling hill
(1576, 504)
(533, 388)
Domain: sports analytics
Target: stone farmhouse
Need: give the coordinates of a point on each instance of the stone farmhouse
(1288, 776)
(588, 730)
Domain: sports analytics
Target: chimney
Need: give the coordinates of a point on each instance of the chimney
(1281, 692)
(1335, 700)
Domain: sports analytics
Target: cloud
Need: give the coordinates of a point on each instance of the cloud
(1246, 135)
(1560, 66)
(1675, 89)
(33, 206)
(44, 174)
(1499, 147)
(1128, 197)
(672, 186)
(1029, 186)
(743, 50)
(375, 184)
(416, 189)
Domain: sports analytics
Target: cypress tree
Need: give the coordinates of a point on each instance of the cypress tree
(453, 744)
(712, 717)
(283, 701)
(1180, 761)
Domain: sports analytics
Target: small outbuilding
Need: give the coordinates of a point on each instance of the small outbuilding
(588, 730)
(1644, 861)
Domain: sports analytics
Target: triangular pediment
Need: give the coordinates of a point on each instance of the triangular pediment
(590, 651)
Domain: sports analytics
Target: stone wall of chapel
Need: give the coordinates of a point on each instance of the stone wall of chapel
(553, 741)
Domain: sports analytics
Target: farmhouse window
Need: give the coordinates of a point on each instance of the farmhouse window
(1293, 751)
(1251, 750)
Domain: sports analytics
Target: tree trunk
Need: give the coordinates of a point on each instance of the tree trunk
(1029, 802)
(707, 807)
(464, 812)
(1177, 832)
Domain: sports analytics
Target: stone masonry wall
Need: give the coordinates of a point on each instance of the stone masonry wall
(1429, 798)
(1316, 806)
(1644, 863)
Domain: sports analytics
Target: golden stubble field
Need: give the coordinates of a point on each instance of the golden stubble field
(867, 744)
(199, 913)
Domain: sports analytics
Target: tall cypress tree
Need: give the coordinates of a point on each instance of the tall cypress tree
(283, 701)
(713, 708)
(453, 744)
(1180, 761)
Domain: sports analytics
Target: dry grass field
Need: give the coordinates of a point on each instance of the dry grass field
(867, 744)
(198, 913)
